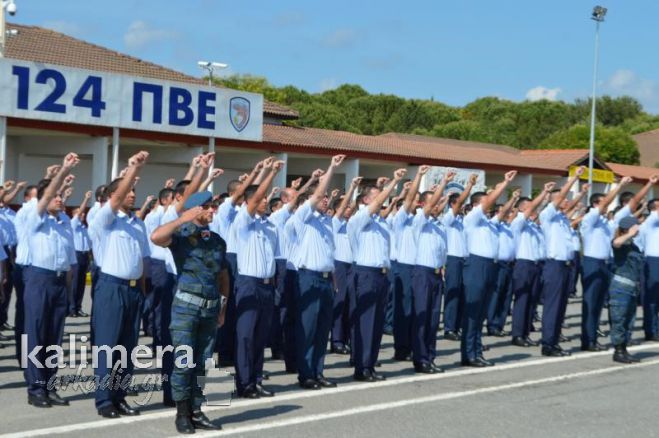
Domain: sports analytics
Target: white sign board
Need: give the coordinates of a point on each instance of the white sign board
(435, 175)
(39, 91)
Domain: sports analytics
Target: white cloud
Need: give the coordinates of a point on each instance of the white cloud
(340, 38)
(626, 82)
(140, 34)
(328, 84)
(65, 27)
(542, 93)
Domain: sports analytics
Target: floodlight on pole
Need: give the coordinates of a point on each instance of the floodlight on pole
(210, 67)
(598, 15)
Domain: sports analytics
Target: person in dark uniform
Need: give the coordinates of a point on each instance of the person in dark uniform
(46, 284)
(200, 257)
(116, 310)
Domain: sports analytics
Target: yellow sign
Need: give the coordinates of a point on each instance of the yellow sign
(599, 175)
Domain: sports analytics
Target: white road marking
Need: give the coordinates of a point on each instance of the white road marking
(242, 403)
(415, 401)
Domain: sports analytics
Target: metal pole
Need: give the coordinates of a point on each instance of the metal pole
(211, 140)
(115, 152)
(3, 120)
(591, 154)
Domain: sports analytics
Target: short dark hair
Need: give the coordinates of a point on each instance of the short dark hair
(250, 191)
(453, 198)
(595, 198)
(652, 205)
(42, 186)
(426, 194)
(520, 200)
(555, 191)
(233, 185)
(164, 194)
(366, 191)
(476, 198)
(100, 193)
(273, 202)
(181, 186)
(625, 197)
(28, 189)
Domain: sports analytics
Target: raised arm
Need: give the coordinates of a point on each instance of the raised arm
(204, 164)
(508, 205)
(376, 204)
(630, 234)
(348, 197)
(142, 211)
(249, 180)
(638, 198)
(70, 161)
(608, 199)
(135, 164)
(85, 201)
(273, 168)
(537, 201)
(324, 181)
(385, 212)
(566, 188)
(488, 201)
(212, 176)
(11, 192)
(439, 191)
(408, 205)
(577, 199)
(315, 176)
(465, 193)
(162, 236)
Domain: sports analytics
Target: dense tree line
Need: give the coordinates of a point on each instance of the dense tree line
(524, 125)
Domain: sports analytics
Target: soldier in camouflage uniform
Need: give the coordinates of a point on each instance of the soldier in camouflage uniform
(200, 257)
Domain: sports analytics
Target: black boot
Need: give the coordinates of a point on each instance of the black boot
(619, 354)
(184, 417)
(201, 421)
(628, 356)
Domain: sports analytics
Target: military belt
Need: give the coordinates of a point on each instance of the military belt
(623, 280)
(197, 301)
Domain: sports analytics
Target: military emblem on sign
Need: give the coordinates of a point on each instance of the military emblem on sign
(239, 112)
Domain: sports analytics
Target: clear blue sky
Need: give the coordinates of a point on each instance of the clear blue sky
(454, 51)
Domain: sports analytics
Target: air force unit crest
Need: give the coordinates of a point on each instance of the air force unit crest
(239, 112)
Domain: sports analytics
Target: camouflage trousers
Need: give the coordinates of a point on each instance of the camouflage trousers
(194, 327)
(622, 305)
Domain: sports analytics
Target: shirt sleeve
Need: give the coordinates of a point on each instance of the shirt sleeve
(590, 219)
(474, 217)
(548, 214)
(622, 213)
(360, 220)
(34, 220)
(419, 221)
(104, 217)
(448, 218)
(279, 217)
(517, 225)
(305, 211)
(242, 222)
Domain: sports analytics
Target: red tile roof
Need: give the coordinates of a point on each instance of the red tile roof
(637, 172)
(43, 45)
(648, 146)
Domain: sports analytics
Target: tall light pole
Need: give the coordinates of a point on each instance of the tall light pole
(210, 67)
(598, 16)
(10, 7)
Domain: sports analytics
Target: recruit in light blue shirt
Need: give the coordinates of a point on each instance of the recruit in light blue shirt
(49, 242)
(370, 237)
(279, 219)
(23, 247)
(224, 218)
(315, 241)
(597, 233)
(526, 244)
(556, 229)
(7, 216)
(257, 239)
(342, 251)
(430, 236)
(403, 233)
(649, 235)
(80, 235)
(482, 233)
(506, 243)
(456, 239)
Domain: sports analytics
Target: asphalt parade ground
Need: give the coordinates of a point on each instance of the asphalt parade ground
(524, 394)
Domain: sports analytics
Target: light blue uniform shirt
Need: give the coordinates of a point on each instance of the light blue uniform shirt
(403, 232)
(597, 233)
(257, 243)
(456, 239)
(430, 237)
(648, 235)
(393, 247)
(279, 219)
(123, 243)
(342, 251)
(23, 247)
(524, 231)
(49, 241)
(7, 216)
(290, 244)
(92, 212)
(226, 214)
(541, 242)
(69, 234)
(80, 235)
(556, 229)
(482, 234)
(370, 237)
(507, 247)
(152, 221)
(315, 246)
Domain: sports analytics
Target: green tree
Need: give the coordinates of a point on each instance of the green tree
(611, 111)
(611, 144)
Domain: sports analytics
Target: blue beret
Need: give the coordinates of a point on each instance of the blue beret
(198, 199)
(628, 222)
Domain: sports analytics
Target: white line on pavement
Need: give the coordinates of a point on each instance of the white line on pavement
(241, 403)
(415, 401)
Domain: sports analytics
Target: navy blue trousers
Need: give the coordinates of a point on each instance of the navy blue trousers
(276, 341)
(45, 312)
(555, 274)
(454, 300)
(575, 272)
(499, 305)
(595, 279)
(403, 309)
(8, 286)
(524, 279)
(163, 286)
(341, 313)
(287, 314)
(314, 299)
(116, 319)
(226, 336)
(390, 299)
(19, 318)
(480, 277)
(254, 304)
(651, 297)
(368, 303)
(427, 289)
(78, 281)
